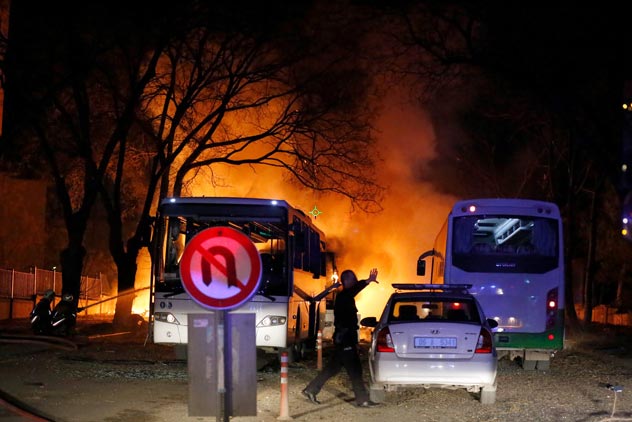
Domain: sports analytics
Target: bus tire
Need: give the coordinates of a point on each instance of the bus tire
(543, 365)
(293, 353)
(299, 351)
(180, 351)
(529, 365)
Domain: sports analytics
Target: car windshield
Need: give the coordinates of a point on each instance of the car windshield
(433, 309)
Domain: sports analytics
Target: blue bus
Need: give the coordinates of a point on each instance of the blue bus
(511, 252)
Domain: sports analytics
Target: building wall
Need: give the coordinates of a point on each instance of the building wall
(22, 222)
(4, 31)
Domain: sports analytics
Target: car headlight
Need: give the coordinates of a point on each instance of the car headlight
(272, 320)
(166, 317)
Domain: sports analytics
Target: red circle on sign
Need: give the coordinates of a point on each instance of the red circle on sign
(220, 268)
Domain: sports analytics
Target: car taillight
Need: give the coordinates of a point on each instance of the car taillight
(484, 344)
(384, 341)
(551, 308)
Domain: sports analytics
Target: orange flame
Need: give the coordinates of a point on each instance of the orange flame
(390, 241)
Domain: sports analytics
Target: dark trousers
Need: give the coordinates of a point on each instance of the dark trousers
(348, 358)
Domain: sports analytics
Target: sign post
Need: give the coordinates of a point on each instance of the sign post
(220, 269)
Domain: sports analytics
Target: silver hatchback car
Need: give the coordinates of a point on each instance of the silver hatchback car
(432, 335)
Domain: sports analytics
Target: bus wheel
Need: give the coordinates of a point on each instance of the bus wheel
(529, 365)
(299, 351)
(180, 351)
(292, 354)
(543, 365)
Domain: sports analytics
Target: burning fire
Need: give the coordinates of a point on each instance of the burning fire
(390, 241)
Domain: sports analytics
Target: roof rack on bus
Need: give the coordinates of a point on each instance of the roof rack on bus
(444, 287)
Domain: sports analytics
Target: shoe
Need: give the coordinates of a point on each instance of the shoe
(368, 404)
(310, 396)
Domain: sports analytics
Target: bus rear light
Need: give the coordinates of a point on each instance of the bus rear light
(484, 344)
(272, 320)
(385, 341)
(551, 308)
(551, 337)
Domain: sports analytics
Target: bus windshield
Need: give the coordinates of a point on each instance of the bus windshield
(268, 232)
(505, 243)
(297, 270)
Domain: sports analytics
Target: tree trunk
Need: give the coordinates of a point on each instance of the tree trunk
(126, 276)
(126, 263)
(590, 262)
(619, 299)
(569, 250)
(569, 299)
(72, 258)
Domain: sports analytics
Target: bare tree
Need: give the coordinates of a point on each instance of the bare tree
(4, 37)
(128, 114)
(514, 105)
(238, 96)
(74, 91)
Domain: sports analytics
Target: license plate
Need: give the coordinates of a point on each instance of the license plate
(435, 342)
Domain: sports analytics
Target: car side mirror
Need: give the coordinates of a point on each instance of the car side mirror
(369, 322)
(492, 322)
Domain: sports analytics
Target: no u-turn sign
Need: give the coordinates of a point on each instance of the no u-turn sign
(220, 268)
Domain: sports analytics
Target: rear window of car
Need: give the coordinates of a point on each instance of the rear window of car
(433, 309)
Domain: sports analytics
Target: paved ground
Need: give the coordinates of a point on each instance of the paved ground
(120, 378)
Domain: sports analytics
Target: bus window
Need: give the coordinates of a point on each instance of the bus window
(272, 282)
(314, 254)
(175, 244)
(299, 243)
(503, 243)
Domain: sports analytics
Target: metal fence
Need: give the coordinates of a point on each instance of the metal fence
(21, 285)
(19, 289)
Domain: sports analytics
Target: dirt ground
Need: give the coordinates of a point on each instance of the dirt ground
(123, 378)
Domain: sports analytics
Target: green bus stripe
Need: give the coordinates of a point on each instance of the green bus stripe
(531, 340)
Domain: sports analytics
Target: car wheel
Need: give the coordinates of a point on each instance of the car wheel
(377, 393)
(488, 395)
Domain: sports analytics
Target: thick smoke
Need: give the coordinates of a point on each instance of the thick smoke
(391, 240)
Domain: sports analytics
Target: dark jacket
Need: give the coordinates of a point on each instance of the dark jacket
(64, 318)
(41, 317)
(346, 315)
